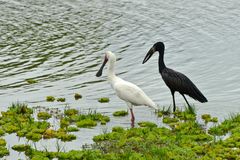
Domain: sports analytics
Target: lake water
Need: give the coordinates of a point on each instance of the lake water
(61, 43)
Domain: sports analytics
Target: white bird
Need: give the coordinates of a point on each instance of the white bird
(129, 92)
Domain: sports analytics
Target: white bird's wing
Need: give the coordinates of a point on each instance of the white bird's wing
(129, 92)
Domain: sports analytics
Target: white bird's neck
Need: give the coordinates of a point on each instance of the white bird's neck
(111, 73)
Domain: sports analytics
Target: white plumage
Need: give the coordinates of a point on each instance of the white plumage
(129, 92)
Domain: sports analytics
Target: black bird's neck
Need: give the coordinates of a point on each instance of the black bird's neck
(161, 63)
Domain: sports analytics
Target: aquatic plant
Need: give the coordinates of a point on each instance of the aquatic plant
(70, 112)
(104, 100)
(86, 123)
(84, 120)
(226, 126)
(77, 96)
(64, 122)
(61, 99)
(190, 109)
(18, 119)
(103, 122)
(49, 133)
(19, 108)
(72, 129)
(44, 115)
(21, 147)
(10, 128)
(2, 142)
(187, 139)
(186, 115)
(31, 81)
(50, 99)
(120, 113)
(3, 151)
(93, 115)
(33, 136)
(169, 120)
(117, 129)
(1, 121)
(64, 136)
(206, 118)
(214, 119)
(1, 132)
(184, 138)
(147, 124)
(164, 111)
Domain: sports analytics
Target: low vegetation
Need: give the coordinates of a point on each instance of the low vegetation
(178, 135)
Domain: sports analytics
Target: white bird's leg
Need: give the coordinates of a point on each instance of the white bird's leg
(132, 115)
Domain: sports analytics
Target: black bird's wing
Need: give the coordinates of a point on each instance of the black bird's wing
(177, 81)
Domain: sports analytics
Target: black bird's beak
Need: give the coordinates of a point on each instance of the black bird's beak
(99, 73)
(149, 54)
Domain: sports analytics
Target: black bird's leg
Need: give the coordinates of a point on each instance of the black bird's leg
(186, 100)
(174, 106)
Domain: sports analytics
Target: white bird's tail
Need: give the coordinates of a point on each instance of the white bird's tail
(152, 104)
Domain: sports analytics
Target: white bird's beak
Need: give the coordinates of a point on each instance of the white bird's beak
(99, 73)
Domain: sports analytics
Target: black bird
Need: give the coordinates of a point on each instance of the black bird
(175, 81)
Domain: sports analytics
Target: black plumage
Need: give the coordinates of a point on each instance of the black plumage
(175, 81)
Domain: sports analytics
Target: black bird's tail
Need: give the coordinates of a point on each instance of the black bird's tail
(196, 94)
